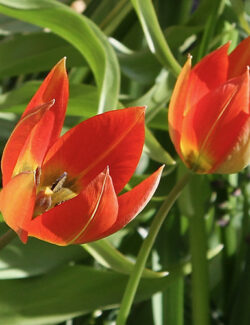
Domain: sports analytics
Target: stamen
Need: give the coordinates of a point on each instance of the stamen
(43, 202)
(37, 176)
(58, 203)
(58, 184)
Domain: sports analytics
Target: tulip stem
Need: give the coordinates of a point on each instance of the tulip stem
(146, 246)
(214, 13)
(200, 276)
(6, 238)
(155, 37)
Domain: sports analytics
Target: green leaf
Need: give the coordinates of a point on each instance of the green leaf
(140, 66)
(107, 255)
(238, 6)
(83, 100)
(28, 4)
(10, 26)
(156, 99)
(36, 52)
(154, 35)
(182, 37)
(82, 33)
(7, 123)
(72, 291)
(159, 121)
(155, 150)
(36, 257)
(110, 13)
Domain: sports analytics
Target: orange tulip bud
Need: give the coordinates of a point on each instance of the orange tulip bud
(208, 116)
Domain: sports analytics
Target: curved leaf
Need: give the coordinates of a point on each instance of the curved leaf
(81, 33)
(35, 52)
(107, 255)
(155, 150)
(83, 99)
(72, 291)
(154, 34)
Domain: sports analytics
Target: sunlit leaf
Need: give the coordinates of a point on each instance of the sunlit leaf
(95, 48)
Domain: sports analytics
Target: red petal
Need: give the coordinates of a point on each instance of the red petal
(17, 201)
(133, 202)
(213, 126)
(239, 59)
(208, 74)
(80, 219)
(178, 105)
(55, 86)
(19, 137)
(113, 139)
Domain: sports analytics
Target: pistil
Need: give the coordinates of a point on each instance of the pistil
(51, 196)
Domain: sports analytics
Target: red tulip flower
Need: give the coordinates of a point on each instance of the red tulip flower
(63, 190)
(209, 112)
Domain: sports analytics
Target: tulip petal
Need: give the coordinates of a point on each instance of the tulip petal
(133, 202)
(213, 126)
(178, 104)
(239, 59)
(55, 86)
(23, 131)
(208, 74)
(80, 219)
(17, 201)
(113, 139)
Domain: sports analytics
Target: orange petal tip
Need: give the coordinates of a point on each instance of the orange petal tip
(61, 65)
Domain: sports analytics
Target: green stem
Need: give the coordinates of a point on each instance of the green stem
(173, 302)
(134, 279)
(241, 252)
(7, 238)
(216, 9)
(200, 278)
(154, 35)
(173, 296)
(184, 11)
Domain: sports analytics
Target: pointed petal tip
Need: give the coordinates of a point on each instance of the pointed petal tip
(44, 107)
(23, 235)
(141, 109)
(138, 111)
(106, 171)
(239, 58)
(133, 202)
(61, 66)
(159, 171)
(226, 45)
(52, 102)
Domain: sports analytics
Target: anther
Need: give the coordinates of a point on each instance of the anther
(37, 175)
(58, 184)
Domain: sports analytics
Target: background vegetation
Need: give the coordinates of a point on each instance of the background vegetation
(118, 55)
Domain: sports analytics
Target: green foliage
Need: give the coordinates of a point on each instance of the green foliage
(125, 53)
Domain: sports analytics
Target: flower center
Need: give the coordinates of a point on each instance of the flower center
(50, 196)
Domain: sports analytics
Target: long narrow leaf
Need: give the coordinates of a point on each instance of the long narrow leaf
(154, 35)
(81, 33)
(107, 255)
(72, 291)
